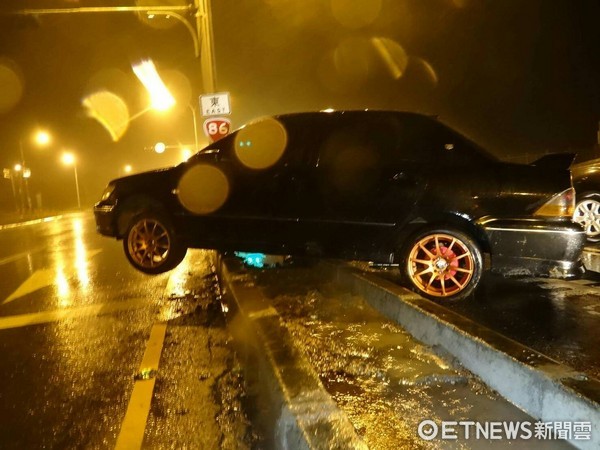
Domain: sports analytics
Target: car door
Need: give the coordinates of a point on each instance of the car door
(357, 196)
(259, 172)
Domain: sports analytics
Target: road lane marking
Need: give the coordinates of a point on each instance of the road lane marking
(131, 435)
(38, 280)
(43, 278)
(23, 320)
(16, 257)
(30, 222)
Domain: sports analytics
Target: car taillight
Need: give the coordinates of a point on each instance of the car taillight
(561, 205)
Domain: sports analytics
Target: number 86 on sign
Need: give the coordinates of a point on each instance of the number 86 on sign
(216, 127)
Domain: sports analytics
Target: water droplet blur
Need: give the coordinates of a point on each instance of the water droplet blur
(203, 189)
(426, 68)
(11, 85)
(347, 67)
(110, 110)
(392, 54)
(355, 14)
(261, 144)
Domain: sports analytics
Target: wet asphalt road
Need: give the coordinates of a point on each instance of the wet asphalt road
(67, 378)
(75, 320)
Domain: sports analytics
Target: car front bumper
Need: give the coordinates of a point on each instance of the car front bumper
(105, 219)
(535, 247)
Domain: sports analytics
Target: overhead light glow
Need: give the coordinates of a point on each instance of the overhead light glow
(68, 158)
(42, 138)
(160, 97)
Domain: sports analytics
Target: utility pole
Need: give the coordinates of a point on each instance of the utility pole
(207, 52)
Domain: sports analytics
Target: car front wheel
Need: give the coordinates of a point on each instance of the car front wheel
(151, 245)
(587, 214)
(442, 264)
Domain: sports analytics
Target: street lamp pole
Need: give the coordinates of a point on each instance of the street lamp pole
(207, 50)
(68, 159)
(77, 186)
(25, 178)
(195, 127)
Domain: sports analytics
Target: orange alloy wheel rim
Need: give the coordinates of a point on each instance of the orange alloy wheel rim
(440, 265)
(149, 243)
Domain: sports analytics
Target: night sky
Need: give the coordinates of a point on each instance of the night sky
(521, 77)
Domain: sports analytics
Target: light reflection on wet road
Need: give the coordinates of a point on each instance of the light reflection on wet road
(558, 318)
(66, 381)
(385, 381)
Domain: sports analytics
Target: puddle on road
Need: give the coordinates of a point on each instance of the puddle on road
(384, 380)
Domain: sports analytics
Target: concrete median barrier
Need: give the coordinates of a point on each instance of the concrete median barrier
(544, 388)
(591, 258)
(293, 407)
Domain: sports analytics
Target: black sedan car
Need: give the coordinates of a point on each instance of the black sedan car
(586, 179)
(388, 187)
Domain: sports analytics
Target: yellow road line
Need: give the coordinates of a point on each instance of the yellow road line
(131, 435)
(30, 222)
(23, 320)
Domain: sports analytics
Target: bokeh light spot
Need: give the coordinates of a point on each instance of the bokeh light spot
(203, 189)
(392, 54)
(427, 69)
(261, 144)
(11, 85)
(357, 13)
(110, 110)
(347, 67)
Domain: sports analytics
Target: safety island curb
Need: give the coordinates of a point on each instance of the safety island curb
(296, 412)
(591, 258)
(544, 388)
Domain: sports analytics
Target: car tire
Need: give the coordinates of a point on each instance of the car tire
(587, 214)
(442, 264)
(151, 245)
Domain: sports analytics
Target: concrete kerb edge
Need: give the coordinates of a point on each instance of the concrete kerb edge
(540, 390)
(305, 418)
(591, 259)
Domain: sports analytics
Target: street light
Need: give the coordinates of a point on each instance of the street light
(186, 153)
(160, 97)
(41, 138)
(68, 159)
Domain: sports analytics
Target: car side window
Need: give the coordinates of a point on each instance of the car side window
(424, 139)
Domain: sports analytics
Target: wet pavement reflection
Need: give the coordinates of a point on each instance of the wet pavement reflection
(558, 318)
(379, 375)
(75, 319)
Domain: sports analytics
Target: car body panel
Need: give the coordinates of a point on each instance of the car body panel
(358, 184)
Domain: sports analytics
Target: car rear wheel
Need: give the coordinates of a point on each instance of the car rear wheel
(587, 214)
(442, 264)
(151, 245)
